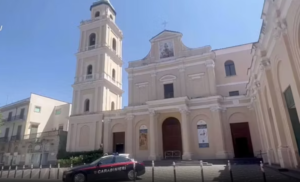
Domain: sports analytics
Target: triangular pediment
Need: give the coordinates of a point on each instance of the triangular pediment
(166, 34)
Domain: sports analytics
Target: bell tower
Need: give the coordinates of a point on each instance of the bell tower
(97, 85)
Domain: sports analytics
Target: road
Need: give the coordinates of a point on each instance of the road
(166, 174)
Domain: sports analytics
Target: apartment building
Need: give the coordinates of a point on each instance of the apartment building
(34, 130)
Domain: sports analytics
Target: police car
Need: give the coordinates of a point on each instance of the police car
(116, 166)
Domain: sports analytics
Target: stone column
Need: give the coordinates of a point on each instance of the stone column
(210, 65)
(152, 124)
(129, 134)
(187, 155)
(219, 140)
(107, 136)
(182, 81)
(96, 99)
(78, 104)
(153, 86)
(130, 90)
(74, 138)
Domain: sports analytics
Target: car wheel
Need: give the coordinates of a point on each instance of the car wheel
(130, 175)
(79, 177)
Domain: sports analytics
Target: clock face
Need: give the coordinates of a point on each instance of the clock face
(37, 147)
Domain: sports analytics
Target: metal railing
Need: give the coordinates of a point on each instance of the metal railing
(3, 139)
(88, 77)
(173, 154)
(43, 134)
(15, 118)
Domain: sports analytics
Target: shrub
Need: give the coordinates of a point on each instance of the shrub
(78, 158)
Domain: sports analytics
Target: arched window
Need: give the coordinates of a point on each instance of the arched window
(114, 44)
(229, 68)
(112, 106)
(111, 17)
(97, 14)
(86, 105)
(113, 74)
(92, 39)
(89, 70)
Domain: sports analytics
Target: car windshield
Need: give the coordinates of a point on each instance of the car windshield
(104, 160)
(97, 161)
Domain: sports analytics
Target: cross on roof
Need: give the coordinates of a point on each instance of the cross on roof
(165, 24)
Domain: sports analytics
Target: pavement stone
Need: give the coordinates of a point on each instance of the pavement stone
(220, 173)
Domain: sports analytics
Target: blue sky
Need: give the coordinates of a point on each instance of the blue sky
(39, 38)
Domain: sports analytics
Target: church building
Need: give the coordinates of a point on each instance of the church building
(190, 103)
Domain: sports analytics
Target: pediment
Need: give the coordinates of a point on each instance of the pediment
(166, 34)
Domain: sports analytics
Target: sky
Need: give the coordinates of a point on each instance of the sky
(39, 38)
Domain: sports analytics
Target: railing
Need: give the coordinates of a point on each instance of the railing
(88, 77)
(15, 138)
(3, 139)
(173, 154)
(43, 134)
(109, 78)
(15, 118)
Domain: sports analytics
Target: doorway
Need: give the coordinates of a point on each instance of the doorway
(172, 141)
(292, 111)
(241, 140)
(119, 142)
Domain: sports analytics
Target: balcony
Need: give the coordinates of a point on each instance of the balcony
(113, 80)
(43, 134)
(3, 139)
(15, 118)
(15, 138)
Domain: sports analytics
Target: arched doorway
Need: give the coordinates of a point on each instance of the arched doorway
(172, 141)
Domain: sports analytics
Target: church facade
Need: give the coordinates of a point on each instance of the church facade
(186, 103)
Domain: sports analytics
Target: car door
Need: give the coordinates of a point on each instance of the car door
(103, 170)
(121, 166)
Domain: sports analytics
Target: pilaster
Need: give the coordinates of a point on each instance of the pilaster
(182, 81)
(187, 155)
(107, 136)
(152, 125)
(153, 86)
(129, 134)
(210, 67)
(219, 136)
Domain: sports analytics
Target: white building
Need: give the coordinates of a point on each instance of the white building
(33, 126)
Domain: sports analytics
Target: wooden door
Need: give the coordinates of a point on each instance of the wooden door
(172, 140)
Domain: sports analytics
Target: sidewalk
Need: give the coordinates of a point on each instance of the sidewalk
(292, 173)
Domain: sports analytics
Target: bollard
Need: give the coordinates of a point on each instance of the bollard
(15, 171)
(230, 171)
(8, 171)
(201, 168)
(71, 165)
(49, 171)
(174, 171)
(40, 171)
(263, 171)
(134, 170)
(23, 171)
(58, 166)
(152, 171)
(1, 172)
(31, 171)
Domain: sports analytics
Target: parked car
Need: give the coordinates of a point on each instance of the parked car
(117, 166)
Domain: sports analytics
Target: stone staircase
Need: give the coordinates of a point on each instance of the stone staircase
(206, 162)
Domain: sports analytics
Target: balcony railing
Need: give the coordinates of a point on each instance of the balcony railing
(88, 77)
(109, 78)
(15, 118)
(3, 139)
(43, 134)
(15, 138)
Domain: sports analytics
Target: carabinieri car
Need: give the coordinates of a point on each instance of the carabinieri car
(117, 166)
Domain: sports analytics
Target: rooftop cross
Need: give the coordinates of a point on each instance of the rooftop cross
(165, 24)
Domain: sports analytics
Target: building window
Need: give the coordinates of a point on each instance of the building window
(169, 90)
(113, 74)
(37, 109)
(229, 68)
(87, 105)
(112, 106)
(92, 39)
(234, 93)
(97, 14)
(114, 44)
(9, 116)
(22, 113)
(33, 131)
(29, 149)
(111, 17)
(57, 111)
(89, 70)
(61, 127)
(6, 133)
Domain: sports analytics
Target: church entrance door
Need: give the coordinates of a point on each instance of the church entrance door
(241, 140)
(172, 141)
(119, 142)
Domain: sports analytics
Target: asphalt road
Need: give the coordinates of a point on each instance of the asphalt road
(243, 173)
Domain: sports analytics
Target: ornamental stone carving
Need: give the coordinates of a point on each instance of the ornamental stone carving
(184, 110)
(210, 63)
(217, 108)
